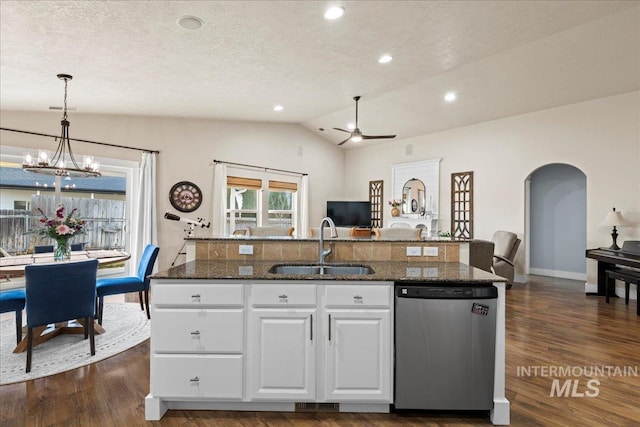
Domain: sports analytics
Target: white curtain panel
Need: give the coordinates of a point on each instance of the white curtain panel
(219, 200)
(304, 206)
(146, 209)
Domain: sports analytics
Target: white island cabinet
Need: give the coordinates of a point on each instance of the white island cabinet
(281, 352)
(267, 345)
(357, 343)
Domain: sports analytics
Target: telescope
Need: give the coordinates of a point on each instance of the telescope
(190, 233)
(200, 222)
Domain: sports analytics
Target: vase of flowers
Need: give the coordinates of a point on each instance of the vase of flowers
(395, 204)
(61, 228)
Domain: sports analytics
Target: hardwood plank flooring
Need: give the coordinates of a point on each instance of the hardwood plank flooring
(550, 322)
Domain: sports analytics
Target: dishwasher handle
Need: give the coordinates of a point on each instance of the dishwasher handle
(446, 292)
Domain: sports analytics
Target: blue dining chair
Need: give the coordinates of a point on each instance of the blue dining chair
(60, 292)
(13, 300)
(77, 246)
(42, 249)
(124, 285)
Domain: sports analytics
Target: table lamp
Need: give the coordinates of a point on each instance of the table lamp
(614, 219)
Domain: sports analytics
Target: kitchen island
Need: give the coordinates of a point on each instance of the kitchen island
(231, 335)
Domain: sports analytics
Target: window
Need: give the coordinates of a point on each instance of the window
(105, 202)
(281, 203)
(255, 202)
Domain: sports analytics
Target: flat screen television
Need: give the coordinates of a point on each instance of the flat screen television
(350, 214)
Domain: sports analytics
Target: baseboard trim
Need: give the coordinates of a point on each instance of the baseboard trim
(558, 273)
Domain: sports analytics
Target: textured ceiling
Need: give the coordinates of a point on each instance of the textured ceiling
(502, 57)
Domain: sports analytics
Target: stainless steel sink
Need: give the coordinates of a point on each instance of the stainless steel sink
(332, 269)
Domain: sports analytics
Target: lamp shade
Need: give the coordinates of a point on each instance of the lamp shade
(614, 219)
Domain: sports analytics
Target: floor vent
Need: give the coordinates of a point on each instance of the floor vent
(316, 407)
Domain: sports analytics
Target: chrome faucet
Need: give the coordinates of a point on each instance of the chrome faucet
(322, 254)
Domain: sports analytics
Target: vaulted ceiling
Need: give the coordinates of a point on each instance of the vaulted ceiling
(502, 58)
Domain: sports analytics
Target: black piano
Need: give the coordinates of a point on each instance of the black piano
(608, 259)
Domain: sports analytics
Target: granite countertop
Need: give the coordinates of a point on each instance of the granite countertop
(383, 271)
(326, 239)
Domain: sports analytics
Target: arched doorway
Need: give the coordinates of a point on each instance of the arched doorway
(556, 222)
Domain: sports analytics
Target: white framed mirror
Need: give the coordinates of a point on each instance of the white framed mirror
(413, 197)
(411, 175)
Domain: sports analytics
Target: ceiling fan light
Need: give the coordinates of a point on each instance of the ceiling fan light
(334, 12)
(356, 138)
(384, 59)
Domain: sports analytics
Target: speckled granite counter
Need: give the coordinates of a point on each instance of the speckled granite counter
(383, 271)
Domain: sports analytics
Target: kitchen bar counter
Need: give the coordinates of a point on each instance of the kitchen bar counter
(441, 272)
(327, 238)
(229, 335)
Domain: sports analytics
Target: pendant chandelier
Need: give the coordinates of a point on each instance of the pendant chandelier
(62, 162)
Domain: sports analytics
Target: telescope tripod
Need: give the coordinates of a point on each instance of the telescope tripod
(190, 233)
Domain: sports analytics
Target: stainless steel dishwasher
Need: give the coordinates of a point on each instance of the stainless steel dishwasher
(444, 346)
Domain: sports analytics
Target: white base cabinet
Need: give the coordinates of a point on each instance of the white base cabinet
(265, 345)
(281, 355)
(358, 356)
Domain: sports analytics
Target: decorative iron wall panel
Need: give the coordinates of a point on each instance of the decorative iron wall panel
(462, 205)
(376, 193)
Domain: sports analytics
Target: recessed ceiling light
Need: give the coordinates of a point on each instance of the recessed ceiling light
(351, 126)
(278, 108)
(190, 23)
(450, 97)
(334, 12)
(385, 58)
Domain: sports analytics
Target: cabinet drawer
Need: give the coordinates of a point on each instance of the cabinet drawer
(202, 331)
(357, 296)
(283, 295)
(197, 295)
(197, 376)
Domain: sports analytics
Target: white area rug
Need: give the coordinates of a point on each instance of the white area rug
(125, 326)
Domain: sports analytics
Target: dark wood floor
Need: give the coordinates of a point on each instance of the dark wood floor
(550, 322)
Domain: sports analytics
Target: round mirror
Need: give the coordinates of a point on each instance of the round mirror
(413, 198)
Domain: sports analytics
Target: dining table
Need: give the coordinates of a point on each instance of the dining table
(12, 274)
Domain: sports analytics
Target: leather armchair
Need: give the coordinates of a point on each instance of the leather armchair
(481, 254)
(506, 247)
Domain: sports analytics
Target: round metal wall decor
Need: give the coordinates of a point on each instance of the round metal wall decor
(185, 196)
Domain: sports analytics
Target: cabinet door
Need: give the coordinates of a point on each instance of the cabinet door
(281, 354)
(358, 364)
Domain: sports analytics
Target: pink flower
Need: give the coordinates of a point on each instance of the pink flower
(62, 230)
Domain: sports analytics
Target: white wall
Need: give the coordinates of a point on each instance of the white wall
(600, 137)
(187, 148)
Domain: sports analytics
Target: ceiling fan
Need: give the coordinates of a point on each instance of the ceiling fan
(356, 134)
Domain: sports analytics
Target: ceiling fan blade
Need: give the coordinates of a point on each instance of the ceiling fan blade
(378, 136)
(342, 130)
(344, 141)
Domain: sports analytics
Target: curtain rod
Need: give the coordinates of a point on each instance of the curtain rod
(83, 140)
(259, 167)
